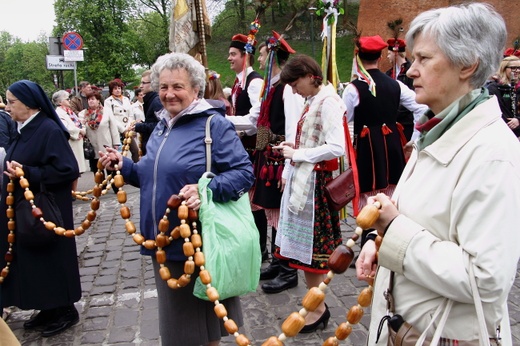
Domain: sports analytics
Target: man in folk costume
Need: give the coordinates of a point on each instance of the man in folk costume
(372, 103)
(245, 96)
(400, 65)
(276, 121)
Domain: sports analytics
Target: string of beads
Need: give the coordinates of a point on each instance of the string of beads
(338, 262)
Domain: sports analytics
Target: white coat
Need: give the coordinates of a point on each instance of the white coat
(458, 198)
(106, 134)
(76, 138)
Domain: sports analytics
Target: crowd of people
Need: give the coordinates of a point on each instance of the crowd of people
(436, 142)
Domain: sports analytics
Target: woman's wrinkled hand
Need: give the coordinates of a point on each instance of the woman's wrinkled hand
(387, 213)
(10, 168)
(190, 193)
(366, 264)
(111, 158)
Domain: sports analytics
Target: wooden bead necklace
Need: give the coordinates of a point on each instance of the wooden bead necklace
(191, 249)
(37, 213)
(338, 262)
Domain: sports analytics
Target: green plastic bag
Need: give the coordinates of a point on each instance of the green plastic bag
(230, 244)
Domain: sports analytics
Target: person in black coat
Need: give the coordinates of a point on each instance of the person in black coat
(151, 106)
(41, 277)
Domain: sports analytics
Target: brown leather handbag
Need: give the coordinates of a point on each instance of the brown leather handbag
(342, 189)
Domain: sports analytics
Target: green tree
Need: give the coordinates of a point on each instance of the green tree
(103, 24)
(20, 60)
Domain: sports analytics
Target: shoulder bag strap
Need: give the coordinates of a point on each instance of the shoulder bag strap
(484, 335)
(208, 142)
(349, 147)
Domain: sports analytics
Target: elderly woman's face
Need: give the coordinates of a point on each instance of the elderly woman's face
(117, 91)
(93, 102)
(15, 107)
(175, 90)
(65, 101)
(436, 80)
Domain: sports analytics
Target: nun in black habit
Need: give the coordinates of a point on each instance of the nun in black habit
(42, 277)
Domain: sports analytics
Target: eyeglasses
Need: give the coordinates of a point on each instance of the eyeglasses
(514, 68)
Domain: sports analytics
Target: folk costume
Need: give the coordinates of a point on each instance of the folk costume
(279, 112)
(372, 102)
(309, 230)
(398, 72)
(276, 122)
(245, 93)
(47, 277)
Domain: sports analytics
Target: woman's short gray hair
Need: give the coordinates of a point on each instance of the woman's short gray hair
(466, 34)
(59, 96)
(174, 61)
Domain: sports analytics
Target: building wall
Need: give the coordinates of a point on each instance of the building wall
(374, 16)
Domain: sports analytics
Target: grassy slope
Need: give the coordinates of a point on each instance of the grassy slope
(218, 53)
(226, 27)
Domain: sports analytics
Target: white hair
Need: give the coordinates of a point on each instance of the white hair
(466, 34)
(59, 96)
(174, 61)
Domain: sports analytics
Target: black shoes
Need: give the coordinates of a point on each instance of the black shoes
(53, 321)
(67, 318)
(324, 319)
(41, 319)
(286, 277)
(271, 271)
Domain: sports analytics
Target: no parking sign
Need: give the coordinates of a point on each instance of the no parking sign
(72, 41)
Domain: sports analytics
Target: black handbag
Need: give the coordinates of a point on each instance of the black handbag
(88, 149)
(30, 231)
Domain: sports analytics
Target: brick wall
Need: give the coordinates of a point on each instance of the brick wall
(374, 15)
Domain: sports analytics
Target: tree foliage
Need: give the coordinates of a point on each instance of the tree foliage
(123, 37)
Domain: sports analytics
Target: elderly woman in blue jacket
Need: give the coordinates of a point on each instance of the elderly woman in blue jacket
(174, 162)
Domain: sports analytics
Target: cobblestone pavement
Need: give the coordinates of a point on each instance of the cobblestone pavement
(119, 302)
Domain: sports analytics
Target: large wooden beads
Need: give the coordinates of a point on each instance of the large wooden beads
(340, 259)
(368, 215)
(293, 324)
(313, 298)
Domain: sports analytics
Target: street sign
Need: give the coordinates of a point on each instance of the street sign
(73, 55)
(57, 62)
(72, 41)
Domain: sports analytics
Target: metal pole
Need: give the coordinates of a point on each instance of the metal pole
(75, 79)
(312, 11)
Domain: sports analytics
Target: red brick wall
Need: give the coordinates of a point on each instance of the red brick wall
(374, 15)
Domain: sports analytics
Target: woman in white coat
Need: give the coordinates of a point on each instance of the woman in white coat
(450, 232)
(100, 125)
(74, 126)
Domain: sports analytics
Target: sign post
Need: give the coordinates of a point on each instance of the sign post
(73, 42)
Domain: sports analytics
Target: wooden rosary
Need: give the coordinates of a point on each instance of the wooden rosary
(338, 262)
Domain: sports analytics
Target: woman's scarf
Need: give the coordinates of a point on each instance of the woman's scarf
(72, 116)
(432, 127)
(94, 117)
(312, 135)
(33, 96)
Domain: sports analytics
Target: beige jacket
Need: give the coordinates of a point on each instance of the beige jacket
(458, 199)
